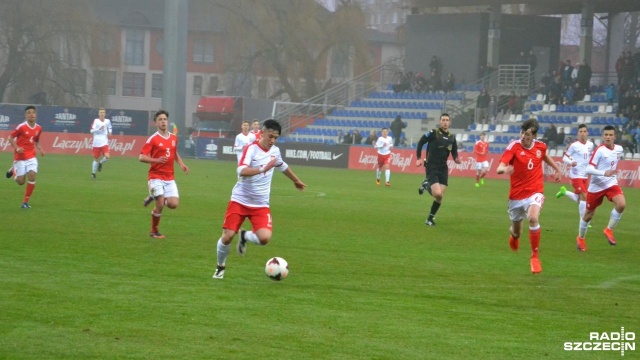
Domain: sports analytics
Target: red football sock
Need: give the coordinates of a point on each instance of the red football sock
(27, 193)
(477, 178)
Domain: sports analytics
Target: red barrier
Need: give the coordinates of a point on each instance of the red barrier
(404, 160)
(71, 143)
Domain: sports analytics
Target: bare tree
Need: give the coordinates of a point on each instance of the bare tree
(291, 39)
(44, 50)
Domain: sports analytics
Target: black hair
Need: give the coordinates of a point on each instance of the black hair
(160, 112)
(30, 107)
(609, 127)
(271, 124)
(582, 126)
(445, 114)
(532, 124)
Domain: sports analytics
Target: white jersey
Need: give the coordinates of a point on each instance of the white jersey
(242, 141)
(580, 153)
(253, 191)
(101, 130)
(604, 159)
(384, 145)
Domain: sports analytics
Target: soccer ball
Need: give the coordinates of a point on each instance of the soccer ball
(277, 268)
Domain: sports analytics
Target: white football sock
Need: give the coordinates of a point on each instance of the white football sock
(223, 252)
(573, 196)
(582, 230)
(252, 237)
(387, 174)
(614, 219)
(94, 167)
(582, 208)
(378, 174)
(103, 160)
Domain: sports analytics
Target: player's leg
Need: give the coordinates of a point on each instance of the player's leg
(438, 182)
(105, 156)
(20, 170)
(95, 163)
(387, 173)
(171, 194)
(262, 227)
(156, 191)
(10, 173)
(478, 171)
(517, 214)
(485, 170)
(593, 201)
(620, 203)
(378, 172)
(31, 185)
(533, 213)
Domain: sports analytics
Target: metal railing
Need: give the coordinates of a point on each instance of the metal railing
(291, 115)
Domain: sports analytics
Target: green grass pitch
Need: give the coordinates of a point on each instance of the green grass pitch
(80, 278)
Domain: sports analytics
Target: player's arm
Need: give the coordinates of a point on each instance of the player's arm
(454, 152)
(289, 173)
(94, 127)
(184, 167)
(423, 140)
(591, 170)
(38, 146)
(549, 160)
(109, 127)
(504, 169)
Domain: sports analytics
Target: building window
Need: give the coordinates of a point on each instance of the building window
(197, 85)
(77, 80)
(202, 51)
(104, 82)
(214, 82)
(156, 85)
(134, 50)
(160, 46)
(133, 84)
(339, 62)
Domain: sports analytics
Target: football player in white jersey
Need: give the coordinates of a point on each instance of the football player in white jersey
(577, 157)
(101, 129)
(243, 139)
(602, 168)
(383, 145)
(250, 195)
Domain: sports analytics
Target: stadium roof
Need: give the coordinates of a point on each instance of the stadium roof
(541, 7)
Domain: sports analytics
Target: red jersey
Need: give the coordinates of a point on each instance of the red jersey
(258, 134)
(156, 147)
(481, 149)
(26, 138)
(527, 178)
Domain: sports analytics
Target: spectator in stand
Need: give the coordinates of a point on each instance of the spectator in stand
(340, 139)
(554, 94)
(482, 105)
(420, 84)
(627, 142)
(492, 110)
(611, 94)
(435, 83)
(619, 65)
(449, 83)
(550, 136)
(569, 93)
(348, 139)
(628, 71)
(371, 139)
(559, 137)
(357, 138)
(578, 92)
(567, 70)
(435, 65)
(396, 128)
(584, 78)
(512, 103)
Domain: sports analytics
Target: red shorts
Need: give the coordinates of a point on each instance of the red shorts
(98, 151)
(236, 214)
(595, 199)
(384, 159)
(580, 185)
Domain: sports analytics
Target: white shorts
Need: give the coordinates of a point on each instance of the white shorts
(482, 165)
(166, 188)
(22, 167)
(518, 209)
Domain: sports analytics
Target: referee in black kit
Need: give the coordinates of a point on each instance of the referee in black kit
(440, 143)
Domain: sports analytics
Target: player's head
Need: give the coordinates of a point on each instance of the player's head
(528, 132)
(385, 132)
(102, 113)
(255, 126)
(445, 121)
(482, 136)
(270, 132)
(30, 113)
(609, 135)
(245, 127)
(583, 132)
(161, 118)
